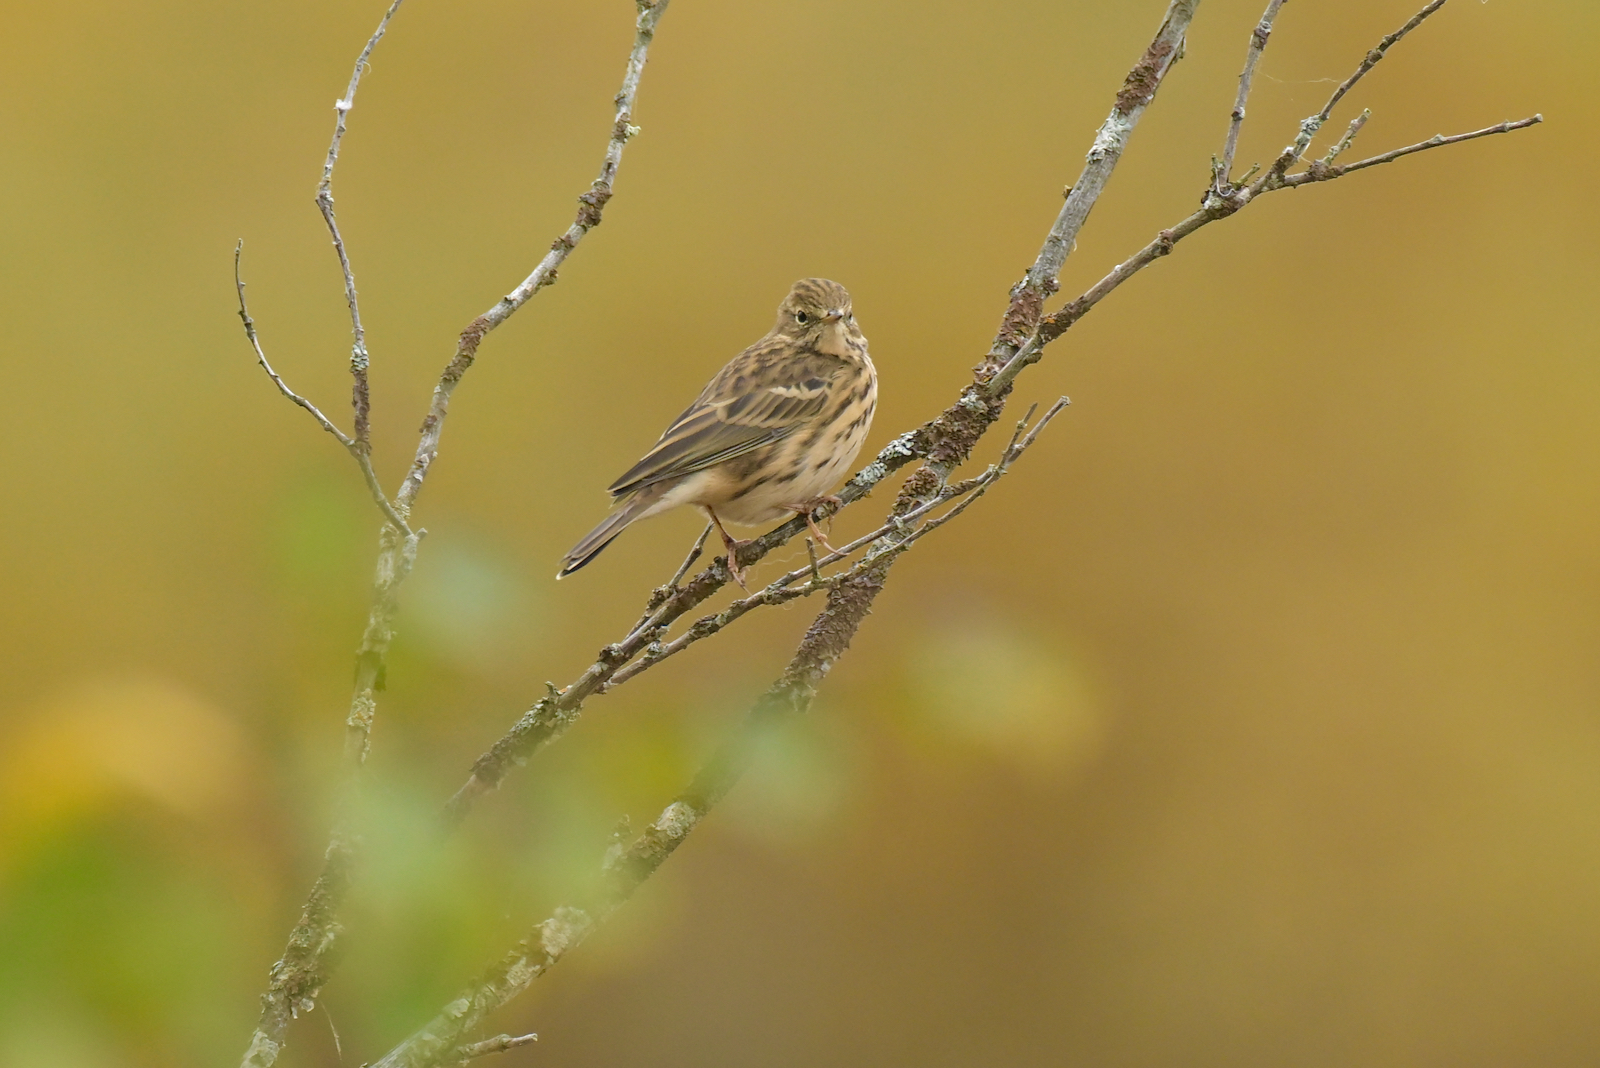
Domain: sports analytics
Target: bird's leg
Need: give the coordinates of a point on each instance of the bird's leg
(804, 510)
(733, 546)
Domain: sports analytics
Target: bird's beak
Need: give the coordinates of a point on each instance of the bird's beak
(834, 316)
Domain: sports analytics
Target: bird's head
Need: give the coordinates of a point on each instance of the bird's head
(817, 313)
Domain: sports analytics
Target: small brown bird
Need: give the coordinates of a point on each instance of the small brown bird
(768, 437)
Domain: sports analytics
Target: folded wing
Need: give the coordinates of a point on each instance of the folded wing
(731, 419)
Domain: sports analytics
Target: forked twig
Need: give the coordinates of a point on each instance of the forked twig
(362, 456)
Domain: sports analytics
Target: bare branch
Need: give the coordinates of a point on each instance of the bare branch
(688, 561)
(590, 206)
(362, 458)
(261, 357)
(1057, 323)
(360, 396)
(1258, 43)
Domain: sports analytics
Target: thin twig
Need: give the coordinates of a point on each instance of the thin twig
(498, 1044)
(363, 460)
(1258, 44)
(360, 395)
(1319, 174)
(1349, 135)
(261, 357)
(660, 594)
(1309, 126)
(688, 561)
(590, 206)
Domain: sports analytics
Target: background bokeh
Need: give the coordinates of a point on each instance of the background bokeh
(1254, 721)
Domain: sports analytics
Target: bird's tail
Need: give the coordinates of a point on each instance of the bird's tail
(636, 507)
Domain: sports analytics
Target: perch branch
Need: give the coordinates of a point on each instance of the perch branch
(944, 441)
(783, 589)
(590, 206)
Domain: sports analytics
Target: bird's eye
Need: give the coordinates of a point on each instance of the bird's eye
(801, 318)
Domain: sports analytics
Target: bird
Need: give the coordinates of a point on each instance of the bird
(769, 435)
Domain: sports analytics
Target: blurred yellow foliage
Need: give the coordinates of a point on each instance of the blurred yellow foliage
(98, 743)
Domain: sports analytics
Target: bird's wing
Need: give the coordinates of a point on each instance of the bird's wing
(738, 412)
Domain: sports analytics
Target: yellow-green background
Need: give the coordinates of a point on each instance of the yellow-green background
(1254, 721)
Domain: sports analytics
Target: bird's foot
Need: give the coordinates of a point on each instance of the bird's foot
(804, 510)
(734, 569)
(733, 545)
